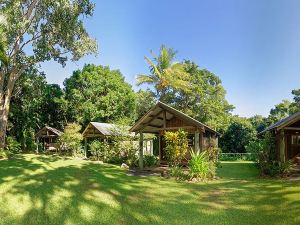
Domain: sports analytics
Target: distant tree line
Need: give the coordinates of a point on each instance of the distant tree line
(97, 93)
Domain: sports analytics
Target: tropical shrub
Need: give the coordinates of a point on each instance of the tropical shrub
(177, 172)
(150, 160)
(213, 154)
(100, 150)
(264, 154)
(129, 153)
(238, 135)
(12, 146)
(3, 154)
(70, 140)
(200, 166)
(176, 146)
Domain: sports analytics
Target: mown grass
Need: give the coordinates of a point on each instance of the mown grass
(51, 190)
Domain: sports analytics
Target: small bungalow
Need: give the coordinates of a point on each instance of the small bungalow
(287, 137)
(105, 132)
(48, 137)
(163, 118)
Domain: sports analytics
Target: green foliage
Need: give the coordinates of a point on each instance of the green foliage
(259, 123)
(164, 73)
(32, 32)
(100, 150)
(97, 93)
(145, 100)
(265, 156)
(34, 104)
(236, 156)
(177, 172)
(238, 135)
(150, 160)
(12, 146)
(4, 154)
(176, 146)
(280, 111)
(205, 98)
(70, 140)
(200, 166)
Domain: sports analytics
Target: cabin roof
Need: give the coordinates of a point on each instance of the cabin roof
(283, 123)
(152, 121)
(52, 129)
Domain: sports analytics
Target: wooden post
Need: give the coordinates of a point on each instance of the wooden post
(197, 145)
(141, 163)
(85, 147)
(37, 145)
(282, 146)
(165, 119)
(201, 141)
(159, 147)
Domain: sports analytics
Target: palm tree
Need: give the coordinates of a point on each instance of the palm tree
(165, 74)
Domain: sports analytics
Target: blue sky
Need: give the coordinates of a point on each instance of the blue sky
(253, 46)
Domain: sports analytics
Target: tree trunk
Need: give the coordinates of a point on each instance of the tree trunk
(3, 122)
(5, 97)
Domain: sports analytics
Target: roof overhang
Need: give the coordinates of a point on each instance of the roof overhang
(153, 121)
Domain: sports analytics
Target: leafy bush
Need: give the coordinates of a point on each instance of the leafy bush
(3, 154)
(238, 135)
(176, 146)
(128, 153)
(264, 153)
(12, 146)
(200, 166)
(213, 154)
(150, 160)
(100, 150)
(177, 172)
(70, 140)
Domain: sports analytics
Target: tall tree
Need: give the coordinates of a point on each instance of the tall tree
(165, 74)
(25, 115)
(37, 31)
(144, 101)
(237, 136)
(97, 93)
(280, 111)
(34, 104)
(259, 122)
(205, 99)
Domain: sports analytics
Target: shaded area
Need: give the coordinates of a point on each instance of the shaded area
(53, 190)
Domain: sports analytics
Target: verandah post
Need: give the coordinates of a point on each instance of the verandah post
(85, 147)
(141, 164)
(282, 146)
(197, 143)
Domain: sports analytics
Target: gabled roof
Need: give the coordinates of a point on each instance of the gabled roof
(283, 123)
(52, 129)
(152, 120)
(106, 129)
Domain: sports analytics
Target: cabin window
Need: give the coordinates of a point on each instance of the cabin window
(295, 139)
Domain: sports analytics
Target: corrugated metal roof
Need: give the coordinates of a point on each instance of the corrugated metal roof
(108, 129)
(54, 130)
(281, 122)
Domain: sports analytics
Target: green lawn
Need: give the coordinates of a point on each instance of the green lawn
(50, 190)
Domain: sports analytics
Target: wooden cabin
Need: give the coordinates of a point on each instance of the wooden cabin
(287, 137)
(163, 118)
(48, 137)
(106, 131)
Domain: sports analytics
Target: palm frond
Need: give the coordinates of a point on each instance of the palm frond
(145, 79)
